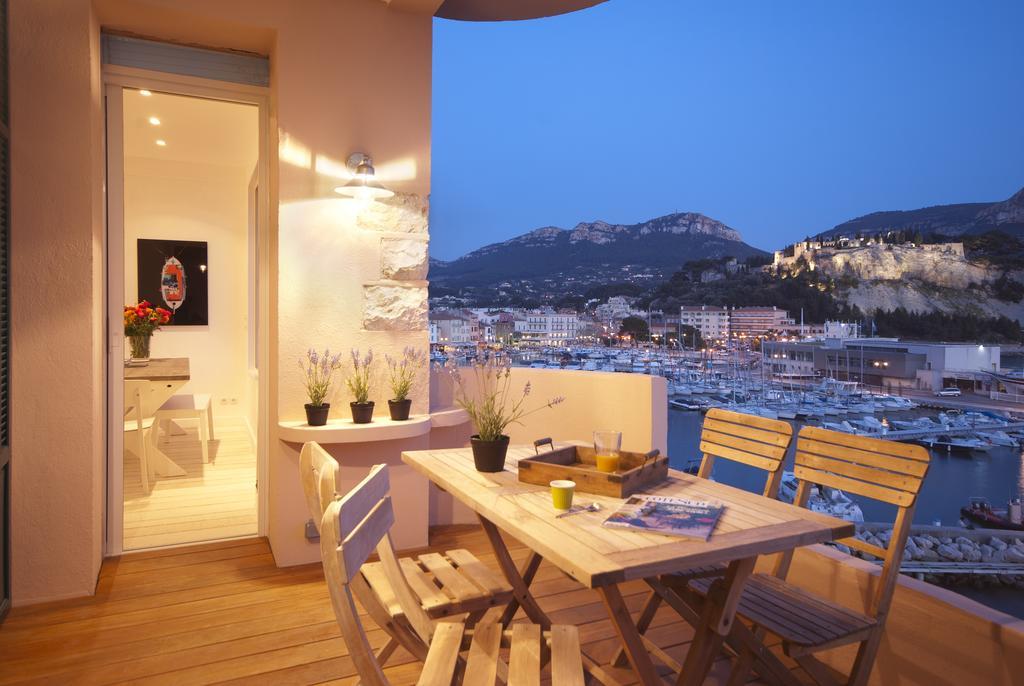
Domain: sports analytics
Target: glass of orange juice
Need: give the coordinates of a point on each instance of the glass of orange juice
(607, 445)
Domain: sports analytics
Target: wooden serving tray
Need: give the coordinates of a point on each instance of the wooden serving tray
(637, 471)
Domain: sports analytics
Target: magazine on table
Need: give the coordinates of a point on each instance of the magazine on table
(666, 515)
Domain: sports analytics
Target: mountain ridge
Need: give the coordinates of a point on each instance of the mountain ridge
(601, 232)
(551, 259)
(951, 220)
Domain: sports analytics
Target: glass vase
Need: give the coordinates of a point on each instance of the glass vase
(139, 346)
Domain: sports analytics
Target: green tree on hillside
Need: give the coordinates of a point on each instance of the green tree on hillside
(636, 328)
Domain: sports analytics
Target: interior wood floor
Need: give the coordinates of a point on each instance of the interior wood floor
(211, 502)
(223, 613)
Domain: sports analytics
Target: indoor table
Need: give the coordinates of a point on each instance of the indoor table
(158, 380)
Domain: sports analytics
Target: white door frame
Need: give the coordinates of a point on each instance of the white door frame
(115, 79)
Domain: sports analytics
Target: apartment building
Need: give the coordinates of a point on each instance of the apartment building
(616, 309)
(453, 327)
(547, 327)
(758, 321)
(711, 321)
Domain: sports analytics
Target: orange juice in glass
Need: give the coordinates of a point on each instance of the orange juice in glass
(606, 450)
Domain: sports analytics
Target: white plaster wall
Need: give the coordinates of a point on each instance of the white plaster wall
(347, 75)
(57, 305)
(326, 260)
(166, 199)
(635, 404)
(978, 357)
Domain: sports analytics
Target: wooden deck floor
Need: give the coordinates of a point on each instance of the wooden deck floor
(211, 502)
(223, 613)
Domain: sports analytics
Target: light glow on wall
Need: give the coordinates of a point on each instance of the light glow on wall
(397, 170)
(294, 153)
(331, 167)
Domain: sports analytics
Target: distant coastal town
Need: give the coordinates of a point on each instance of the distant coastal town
(616, 320)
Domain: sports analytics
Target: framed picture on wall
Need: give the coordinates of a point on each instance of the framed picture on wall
(172, 274)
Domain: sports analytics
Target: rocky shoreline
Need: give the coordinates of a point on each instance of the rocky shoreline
(940, 546)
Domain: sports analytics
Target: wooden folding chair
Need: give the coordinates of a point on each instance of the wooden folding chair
(359, 523)
(456, 583)
(887, 471)
(747, 439)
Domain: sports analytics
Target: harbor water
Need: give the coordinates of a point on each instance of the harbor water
(952, 480)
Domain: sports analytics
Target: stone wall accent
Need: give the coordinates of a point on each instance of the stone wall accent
(395, 306)
(403, 258)
(402, 213)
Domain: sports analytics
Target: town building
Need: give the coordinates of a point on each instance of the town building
(548, 327)
(504, 327)
(454, 327)
(837, 329)
(615, 310)
(887, 363)
(711, 321)
(749, 322)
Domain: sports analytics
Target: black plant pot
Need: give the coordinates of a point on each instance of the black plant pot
(400, 409)
(489, 456)
(316, 415)
(362, 413)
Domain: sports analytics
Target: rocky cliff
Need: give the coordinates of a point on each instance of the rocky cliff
(925, 278)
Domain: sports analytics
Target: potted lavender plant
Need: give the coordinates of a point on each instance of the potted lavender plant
(317, 369)
(492, 407)
(402, 373)
(359, 382)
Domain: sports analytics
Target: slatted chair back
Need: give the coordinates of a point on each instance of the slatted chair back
(887, 471)
(314, 461)
(748, 439)
(353, 527)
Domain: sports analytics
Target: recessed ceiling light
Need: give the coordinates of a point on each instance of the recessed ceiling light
(161, 142)
(145, 92)
(155, 121)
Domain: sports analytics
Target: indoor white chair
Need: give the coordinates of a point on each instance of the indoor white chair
(189, 406)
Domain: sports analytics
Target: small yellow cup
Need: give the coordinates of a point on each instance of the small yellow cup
(607, 463)
(561, 493)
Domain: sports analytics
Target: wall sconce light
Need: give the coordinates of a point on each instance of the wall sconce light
(363, 185)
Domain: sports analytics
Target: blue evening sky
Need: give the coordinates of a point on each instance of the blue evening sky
(778, 118)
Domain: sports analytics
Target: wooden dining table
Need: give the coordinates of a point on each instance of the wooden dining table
(158, 379)
(602, 558)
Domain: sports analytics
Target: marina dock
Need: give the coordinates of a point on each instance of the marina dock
(911, 434)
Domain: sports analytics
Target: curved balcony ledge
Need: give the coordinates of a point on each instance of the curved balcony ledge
(453, 416)
(380, 429)
(345, 431)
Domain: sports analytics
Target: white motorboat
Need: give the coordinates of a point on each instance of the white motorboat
(823, 499)
(957, 444)
(1001, 438)
(870, 425)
